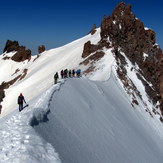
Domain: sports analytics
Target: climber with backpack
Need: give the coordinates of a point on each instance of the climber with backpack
(62, 74)
(73, 73)
(78, 73)
(56, 78)
(20, 102)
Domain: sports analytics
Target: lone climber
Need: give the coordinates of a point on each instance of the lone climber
(20, 102)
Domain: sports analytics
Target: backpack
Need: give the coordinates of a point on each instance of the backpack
(20, 99)
(56, 76)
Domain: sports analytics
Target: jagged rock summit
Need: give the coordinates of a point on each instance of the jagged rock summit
(41, 49)
(127, 35)
(21, 52)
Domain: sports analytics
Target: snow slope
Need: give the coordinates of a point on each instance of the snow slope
(83, 121)
(19, 142)
(94, 122)
(41, 71)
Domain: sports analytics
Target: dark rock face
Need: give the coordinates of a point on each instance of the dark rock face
(22, 53)
(11, 46)
(41, 49)
(128, 33)
(88, 49)
(95, 57)
(92, 53)
(93, 30)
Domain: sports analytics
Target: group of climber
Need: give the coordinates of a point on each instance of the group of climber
(64, 74)
(67, 73)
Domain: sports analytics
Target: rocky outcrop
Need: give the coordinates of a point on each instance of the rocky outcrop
(11, 46)
(88, 49)
(128, 35)
(92, 58)
(92, 53)
(93, 30)
(138, 43)
(21, 52)
(41, 49)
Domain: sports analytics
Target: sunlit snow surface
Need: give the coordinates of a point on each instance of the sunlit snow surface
(83, 121)
(19, 141)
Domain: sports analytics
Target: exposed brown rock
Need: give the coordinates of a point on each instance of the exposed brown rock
(89, 69)
(2, 95)
(135, 102)
(93, 30)
(22, 53)
(24, 74)
(161, 92)
(128, 33)
(11, 46)
(16, 71)
(161, 86)
(6, 58)
(88, 49)
(41, 49)
(94, 57)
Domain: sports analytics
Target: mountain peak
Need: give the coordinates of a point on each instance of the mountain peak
(21, 52)
(11, 46)
(122, 7)
(129, 36)
(128, 39)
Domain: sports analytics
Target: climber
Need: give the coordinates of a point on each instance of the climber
(73, 73)
(62, 74)
(69, 73)
(56, 78)
(78, 73)
(20, 102)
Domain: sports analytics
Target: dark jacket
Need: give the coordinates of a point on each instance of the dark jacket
(56, 76)
(21, 99)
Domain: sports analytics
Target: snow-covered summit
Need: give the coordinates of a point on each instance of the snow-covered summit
(111, 114)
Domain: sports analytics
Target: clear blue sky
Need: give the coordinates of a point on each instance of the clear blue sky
(57, 22)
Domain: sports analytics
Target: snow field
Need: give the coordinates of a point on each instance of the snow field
(19, 141)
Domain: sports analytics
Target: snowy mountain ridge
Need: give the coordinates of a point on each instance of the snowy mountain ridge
(40, 72)
(111, 114)
(68, 119)
(139, 70)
